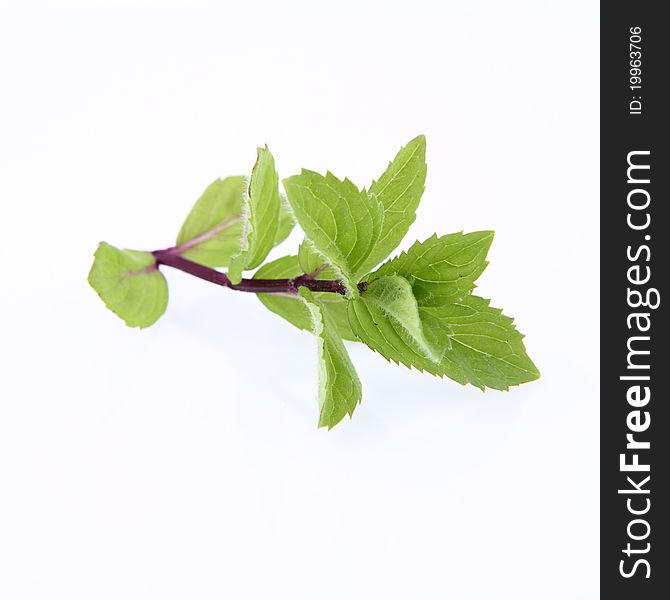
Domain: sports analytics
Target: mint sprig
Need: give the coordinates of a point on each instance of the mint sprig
(416, 309)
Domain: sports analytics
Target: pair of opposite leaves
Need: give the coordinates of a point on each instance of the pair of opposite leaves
(416, 309)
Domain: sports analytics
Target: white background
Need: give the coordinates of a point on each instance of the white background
(184, 461)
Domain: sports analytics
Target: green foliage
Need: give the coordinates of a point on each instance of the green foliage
(441, 269)
(286, 222)
(399, 191)
(486, 348)
(341, 222)
(310, 260)
(395, 313)
(260, 217)
(483, 347)
(416, 309)
(129, 284)
(212, 231)
(290, 307)
(339, 387)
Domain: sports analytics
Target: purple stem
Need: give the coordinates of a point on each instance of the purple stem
(257, 286)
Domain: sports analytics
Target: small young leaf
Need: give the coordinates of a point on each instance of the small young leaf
(399, 190)
(341, 222)
(339, 387)
(310, 260)
(129, 284)
(261, 216)
(393, 297)
(441, 269)
(290, 306)
(211, 233)
(386, 318)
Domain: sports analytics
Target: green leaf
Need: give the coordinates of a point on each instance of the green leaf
(130, 284)
(485, 350)
(310, 260)
(261, 216)
(399, 190)
(286, 222)
(212, 231)
(290, 306)
(341, 222)
(386, 318)
(441, 269)
(339, 387)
